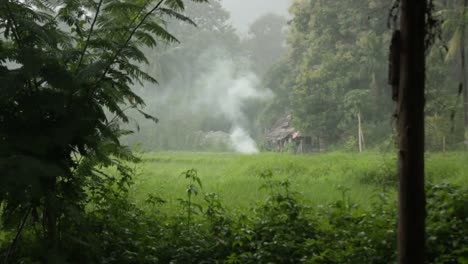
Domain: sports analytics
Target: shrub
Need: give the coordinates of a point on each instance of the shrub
(282, 229)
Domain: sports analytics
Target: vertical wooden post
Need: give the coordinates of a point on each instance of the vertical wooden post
(359, 132)
(318, 144)
(363, 142)
(443, 144)
(411, 236)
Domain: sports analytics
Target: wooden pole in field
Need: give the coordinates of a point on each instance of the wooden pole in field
(443, 144)
(360, 135)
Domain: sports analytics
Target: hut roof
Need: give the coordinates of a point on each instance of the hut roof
(281, 129)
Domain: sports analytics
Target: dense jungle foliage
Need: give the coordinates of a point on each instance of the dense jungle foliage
(328, 63)
(196, 225)
(73, 75)
(67, 71)
(336, 68)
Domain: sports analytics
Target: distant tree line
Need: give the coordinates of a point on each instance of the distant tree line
(336, 70)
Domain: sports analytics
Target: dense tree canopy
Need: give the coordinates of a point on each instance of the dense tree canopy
(66, 75)
(266, 42)
(336, 67)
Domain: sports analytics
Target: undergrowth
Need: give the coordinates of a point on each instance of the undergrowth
(280, 229)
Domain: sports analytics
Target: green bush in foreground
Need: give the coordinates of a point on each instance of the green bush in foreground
(282, 229)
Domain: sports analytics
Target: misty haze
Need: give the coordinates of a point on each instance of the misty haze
(233, 131)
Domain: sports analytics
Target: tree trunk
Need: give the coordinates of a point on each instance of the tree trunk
(463, 71)
(50, 215)
(411, 237)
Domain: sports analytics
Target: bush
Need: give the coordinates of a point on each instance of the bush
(384, 174)
(282, 229)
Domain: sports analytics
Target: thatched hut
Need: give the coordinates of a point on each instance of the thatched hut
(283, 133)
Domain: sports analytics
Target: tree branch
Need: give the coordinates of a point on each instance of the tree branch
(122, 111)
(14, 24)
(117, 53)
(83, 52)
(18, 233)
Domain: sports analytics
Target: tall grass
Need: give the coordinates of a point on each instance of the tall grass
(320, 178)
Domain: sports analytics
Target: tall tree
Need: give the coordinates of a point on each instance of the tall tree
(463, 66)
(337, 47)
(62, 67)
(455, 22)
(411, 227)
(266, 42)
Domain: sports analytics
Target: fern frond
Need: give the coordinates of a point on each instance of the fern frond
(134, 53)
(177, 5)
(91, 71)
(124, 7)
(173, 14)
(145, 39)
(135, 72)
(159, 31)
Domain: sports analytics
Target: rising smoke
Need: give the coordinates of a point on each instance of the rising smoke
(219, 91)
(226, 89)
(242, 142)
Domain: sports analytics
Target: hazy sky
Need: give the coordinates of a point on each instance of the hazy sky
(244, 12)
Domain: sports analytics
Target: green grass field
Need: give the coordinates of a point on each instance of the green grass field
(320, 178)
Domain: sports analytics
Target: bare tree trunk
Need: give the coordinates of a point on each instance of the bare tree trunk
(463, 71)
(411, 237)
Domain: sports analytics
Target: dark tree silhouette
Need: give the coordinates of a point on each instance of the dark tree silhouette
(463, 68)
(411, 237)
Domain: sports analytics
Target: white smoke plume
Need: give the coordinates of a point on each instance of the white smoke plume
(219, 90)
(242, 142)
(225, 89)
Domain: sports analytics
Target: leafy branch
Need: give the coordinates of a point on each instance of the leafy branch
(17, 235)
(117, 53)
(14, 25)
(83, 52)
